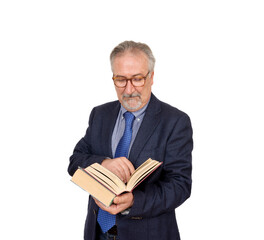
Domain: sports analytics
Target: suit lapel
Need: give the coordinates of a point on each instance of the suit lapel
(108, 127)
(149, 124)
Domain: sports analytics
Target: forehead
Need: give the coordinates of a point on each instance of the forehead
(129, 62)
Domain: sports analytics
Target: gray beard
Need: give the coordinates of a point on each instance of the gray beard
(126, 102)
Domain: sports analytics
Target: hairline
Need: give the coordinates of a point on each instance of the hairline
(134, 48)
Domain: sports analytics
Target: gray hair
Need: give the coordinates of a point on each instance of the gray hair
(133, 47)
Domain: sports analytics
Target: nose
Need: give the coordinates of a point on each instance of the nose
(129, 87)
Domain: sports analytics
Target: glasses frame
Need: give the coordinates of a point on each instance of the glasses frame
(130, 79)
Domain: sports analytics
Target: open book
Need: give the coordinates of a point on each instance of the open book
(104, 185)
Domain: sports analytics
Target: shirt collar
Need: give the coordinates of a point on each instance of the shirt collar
(138, 113)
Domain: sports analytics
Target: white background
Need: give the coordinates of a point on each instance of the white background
(54, 68)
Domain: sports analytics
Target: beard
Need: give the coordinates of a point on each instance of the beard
(132, 102)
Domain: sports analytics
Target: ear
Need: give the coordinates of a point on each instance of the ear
(151, 78)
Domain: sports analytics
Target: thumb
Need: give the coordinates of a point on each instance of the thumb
(118, 199)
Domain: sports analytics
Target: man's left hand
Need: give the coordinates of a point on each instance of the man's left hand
(120, 203)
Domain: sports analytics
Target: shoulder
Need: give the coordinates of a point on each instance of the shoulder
(166, 110)
(174, 120)
(104, 113)
(107, 107)
(172, 111)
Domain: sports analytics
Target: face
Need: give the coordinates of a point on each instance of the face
(129, 65)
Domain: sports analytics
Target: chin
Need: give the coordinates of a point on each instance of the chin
(132, 105)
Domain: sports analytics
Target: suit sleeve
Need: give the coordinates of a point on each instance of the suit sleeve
(82, 154)
(174, 185)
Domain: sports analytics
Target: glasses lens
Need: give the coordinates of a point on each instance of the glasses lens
(138, 81)
(120, 82)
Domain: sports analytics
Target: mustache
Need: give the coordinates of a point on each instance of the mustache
(131, 95)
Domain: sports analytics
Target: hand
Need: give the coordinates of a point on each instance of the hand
(121, 203)
(121, 167)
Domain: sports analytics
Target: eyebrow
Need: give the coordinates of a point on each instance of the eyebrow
(132, 75)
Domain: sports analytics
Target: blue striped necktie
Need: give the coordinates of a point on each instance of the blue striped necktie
(105, 219)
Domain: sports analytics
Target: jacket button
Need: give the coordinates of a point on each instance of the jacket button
(136, 218)
(94, 211)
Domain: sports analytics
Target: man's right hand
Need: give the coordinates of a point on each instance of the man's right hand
(121, 167)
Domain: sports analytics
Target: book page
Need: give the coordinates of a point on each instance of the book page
(141, 166)
(105, 180)
(92, 186)
(140, 177)
(144, 171)
(111, 176)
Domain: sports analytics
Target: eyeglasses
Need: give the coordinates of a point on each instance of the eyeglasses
(137, 81)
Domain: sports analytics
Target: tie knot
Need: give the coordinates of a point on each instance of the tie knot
(129, 117)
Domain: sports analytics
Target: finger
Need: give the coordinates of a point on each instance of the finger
(125, 172)
(122, 169)
(129, 165)
(123, 198)
(121, 166)
(120, 172)
(113, 209)
(113, 165)
(109, 209)
(118, 200)
(124, 201)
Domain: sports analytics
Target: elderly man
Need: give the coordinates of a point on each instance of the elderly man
(121, 135)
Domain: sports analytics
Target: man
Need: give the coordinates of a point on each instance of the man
(155, 130)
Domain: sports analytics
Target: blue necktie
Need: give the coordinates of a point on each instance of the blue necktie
(105, 219)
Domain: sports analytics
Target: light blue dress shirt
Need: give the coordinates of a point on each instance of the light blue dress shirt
(120, 126)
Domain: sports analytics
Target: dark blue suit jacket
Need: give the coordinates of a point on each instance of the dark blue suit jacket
(165, 135)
